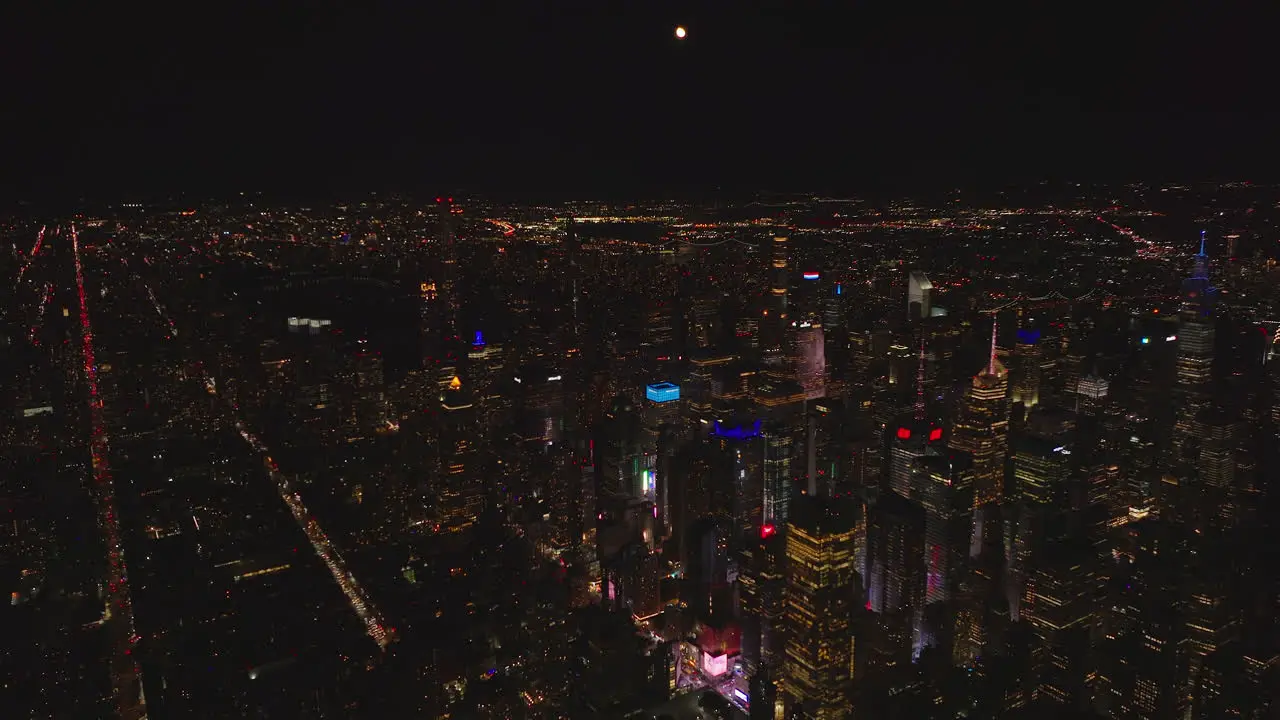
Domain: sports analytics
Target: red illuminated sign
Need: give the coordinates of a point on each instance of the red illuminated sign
(904, 433)
(767, 531)
(935, 434)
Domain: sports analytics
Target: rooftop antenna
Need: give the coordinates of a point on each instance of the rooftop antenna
(920, 382)
(991, 362)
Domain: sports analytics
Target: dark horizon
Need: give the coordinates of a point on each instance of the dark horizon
(580, 100)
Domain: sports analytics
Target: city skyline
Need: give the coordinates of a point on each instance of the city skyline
(655, 361)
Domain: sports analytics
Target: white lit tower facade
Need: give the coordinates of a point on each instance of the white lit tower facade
(919, 295)
(982, 428)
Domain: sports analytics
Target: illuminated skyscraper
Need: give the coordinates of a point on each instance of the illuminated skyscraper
(982, 428)
(946, 493)
(776, 320)
(706, 369)
(818, 670)
(1194, 363)
(1059, 604)
(1218, 432)
(762, 586)
(896, 582)
(778, 450)
(919, 295)
(910, 439)
(811, 370)
(1027, 359)
(459, 492)
(780, 277)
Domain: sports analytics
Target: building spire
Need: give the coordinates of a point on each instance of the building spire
(1200, 268)
(920, 382)
(991, 361)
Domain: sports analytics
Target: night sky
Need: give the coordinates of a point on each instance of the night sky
(591, 98)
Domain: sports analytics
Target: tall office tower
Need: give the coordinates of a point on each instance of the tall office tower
(779, 278)
(902, 363)
(982, 428)
(460, 492)
(735, 486)
(811, 369)
(1041, 468)
(746, 330)
(762, 588)
(704, 322)
(1238, 683)
(664, 478)
(763, 693)
(1025, 380)
(778, 439)
(1059, 604)
(621, 450)
(1194, 363)
(662, 405)
(1218, 432)
(1091, 395)
(657, 335)
(439, 293)
(705, 370)
(775, 320)
(539, 404)
(1213, 615)
(861, 357)
(818, 670)
(1144, 654)
(911, 439)
(919, 295)
(982, 608)
(946, 493)
(833, 307)
(707, 567)
(484, 368)
(896, 582)
(368, 402)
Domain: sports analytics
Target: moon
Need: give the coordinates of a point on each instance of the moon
(681, 32)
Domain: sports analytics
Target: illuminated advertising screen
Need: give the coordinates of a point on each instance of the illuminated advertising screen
(714, 665)
(662, 392)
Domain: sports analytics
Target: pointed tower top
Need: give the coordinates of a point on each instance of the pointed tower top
(991, 361)
(920, 383)
(1200, 268)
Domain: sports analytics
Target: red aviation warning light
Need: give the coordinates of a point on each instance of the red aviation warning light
(768, 531)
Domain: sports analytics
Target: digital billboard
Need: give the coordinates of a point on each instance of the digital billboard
(662, 392)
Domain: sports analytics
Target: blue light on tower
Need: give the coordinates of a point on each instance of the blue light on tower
(662, 392)
(742, 432)
(479, 339)
(1028, 336)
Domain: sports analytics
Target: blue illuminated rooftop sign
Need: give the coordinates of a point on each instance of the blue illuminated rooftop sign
(742, 432)
(1028, 336)
(662, 392)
